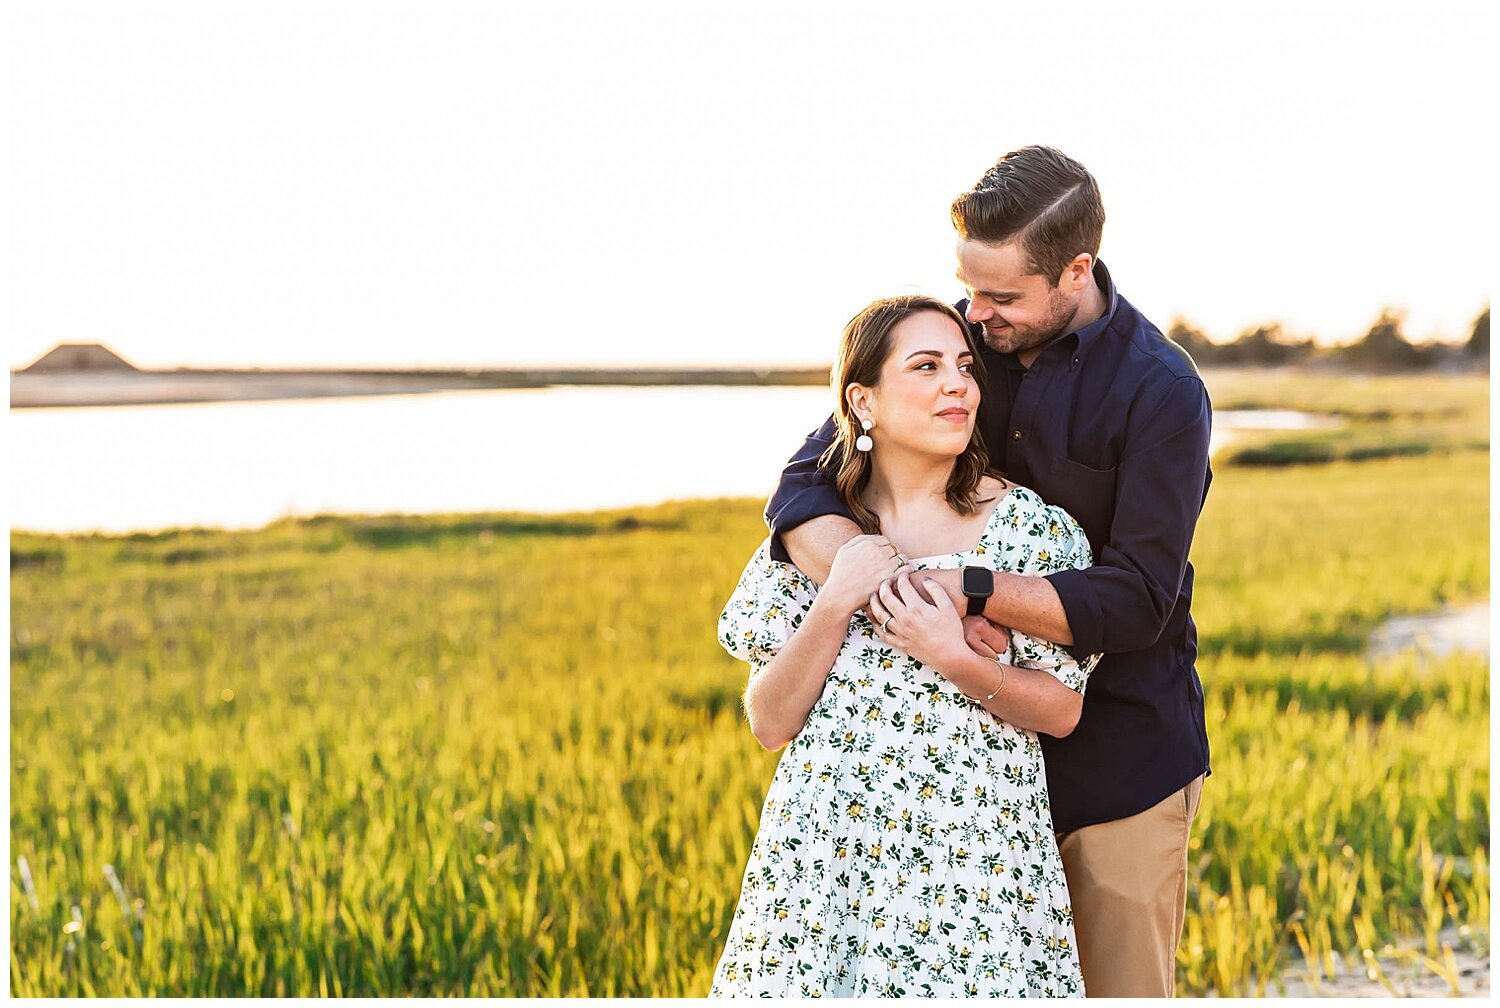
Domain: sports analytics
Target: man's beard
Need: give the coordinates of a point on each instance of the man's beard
(1059, 319)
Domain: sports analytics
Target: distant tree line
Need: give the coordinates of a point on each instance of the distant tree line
(1383, 348)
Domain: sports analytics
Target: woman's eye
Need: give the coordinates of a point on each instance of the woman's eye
(966, 368)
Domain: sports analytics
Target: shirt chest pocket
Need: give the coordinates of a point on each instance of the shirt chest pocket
(1087, 494)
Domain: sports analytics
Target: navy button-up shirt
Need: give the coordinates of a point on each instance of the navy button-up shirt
(1110, 422)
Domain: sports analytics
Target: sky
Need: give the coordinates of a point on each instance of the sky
(441, 183)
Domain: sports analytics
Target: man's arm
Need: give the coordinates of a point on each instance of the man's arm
(807, 520)
(1028, 604)
(1124, 601)
(809, 523)
(813, 544)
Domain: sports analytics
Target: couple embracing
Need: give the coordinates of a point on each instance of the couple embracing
(996, 516)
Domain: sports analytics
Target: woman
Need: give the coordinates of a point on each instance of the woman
(905, 846)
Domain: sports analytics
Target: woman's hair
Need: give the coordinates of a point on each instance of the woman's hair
(863, 350)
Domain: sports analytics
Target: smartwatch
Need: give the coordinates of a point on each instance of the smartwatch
(979, 585)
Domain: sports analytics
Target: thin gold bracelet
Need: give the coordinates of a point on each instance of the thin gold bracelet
(1002, 680)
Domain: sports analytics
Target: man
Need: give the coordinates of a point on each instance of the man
(1090, 406)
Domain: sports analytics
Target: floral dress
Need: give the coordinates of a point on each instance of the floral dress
(905, 846)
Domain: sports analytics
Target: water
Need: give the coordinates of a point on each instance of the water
(242, 464)
(1266, 419)
(1435, 634)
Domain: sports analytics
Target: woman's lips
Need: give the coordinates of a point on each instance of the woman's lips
(955, 415)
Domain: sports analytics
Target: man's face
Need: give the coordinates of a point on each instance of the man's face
(1020, 311)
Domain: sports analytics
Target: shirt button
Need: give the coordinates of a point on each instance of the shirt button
(1015, 435)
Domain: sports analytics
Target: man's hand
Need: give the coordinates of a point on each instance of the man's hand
(985, 638)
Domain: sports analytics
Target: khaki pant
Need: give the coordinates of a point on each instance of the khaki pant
(1128, 882)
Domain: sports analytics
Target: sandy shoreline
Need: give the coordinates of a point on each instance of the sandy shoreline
(1462, 970)
(37, 390)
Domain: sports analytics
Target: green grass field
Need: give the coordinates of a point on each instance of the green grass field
(503, 754)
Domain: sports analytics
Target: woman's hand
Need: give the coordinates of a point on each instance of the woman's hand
(859, 567)
(930, 631)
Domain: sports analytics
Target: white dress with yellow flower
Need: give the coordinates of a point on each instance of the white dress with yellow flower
(905, 846)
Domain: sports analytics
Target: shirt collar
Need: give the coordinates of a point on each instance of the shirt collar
(1091, 332)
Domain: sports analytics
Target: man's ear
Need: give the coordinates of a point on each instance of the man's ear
(1075, 276)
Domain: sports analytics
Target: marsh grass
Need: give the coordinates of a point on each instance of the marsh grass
(1382, 416)
(503, 754)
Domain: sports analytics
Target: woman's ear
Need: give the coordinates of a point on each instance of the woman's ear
(860, 399)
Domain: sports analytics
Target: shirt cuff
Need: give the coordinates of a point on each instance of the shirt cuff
(1085, 616)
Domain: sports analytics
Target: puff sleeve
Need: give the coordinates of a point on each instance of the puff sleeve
(1050, 540)
(768, 605)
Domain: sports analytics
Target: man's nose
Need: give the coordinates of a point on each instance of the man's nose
(976, 313)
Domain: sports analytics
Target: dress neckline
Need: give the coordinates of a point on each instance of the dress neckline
(1004, 503)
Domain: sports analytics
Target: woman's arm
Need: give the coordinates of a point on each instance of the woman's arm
(1028, 699)
(782, 692)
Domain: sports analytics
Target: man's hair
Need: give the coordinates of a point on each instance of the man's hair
(1039, 198)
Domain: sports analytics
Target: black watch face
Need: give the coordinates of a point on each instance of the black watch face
(979, 582)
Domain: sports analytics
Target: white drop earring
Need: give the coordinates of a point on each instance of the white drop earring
(863, 443)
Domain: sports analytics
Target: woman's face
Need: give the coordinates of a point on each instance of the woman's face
(927, 397)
